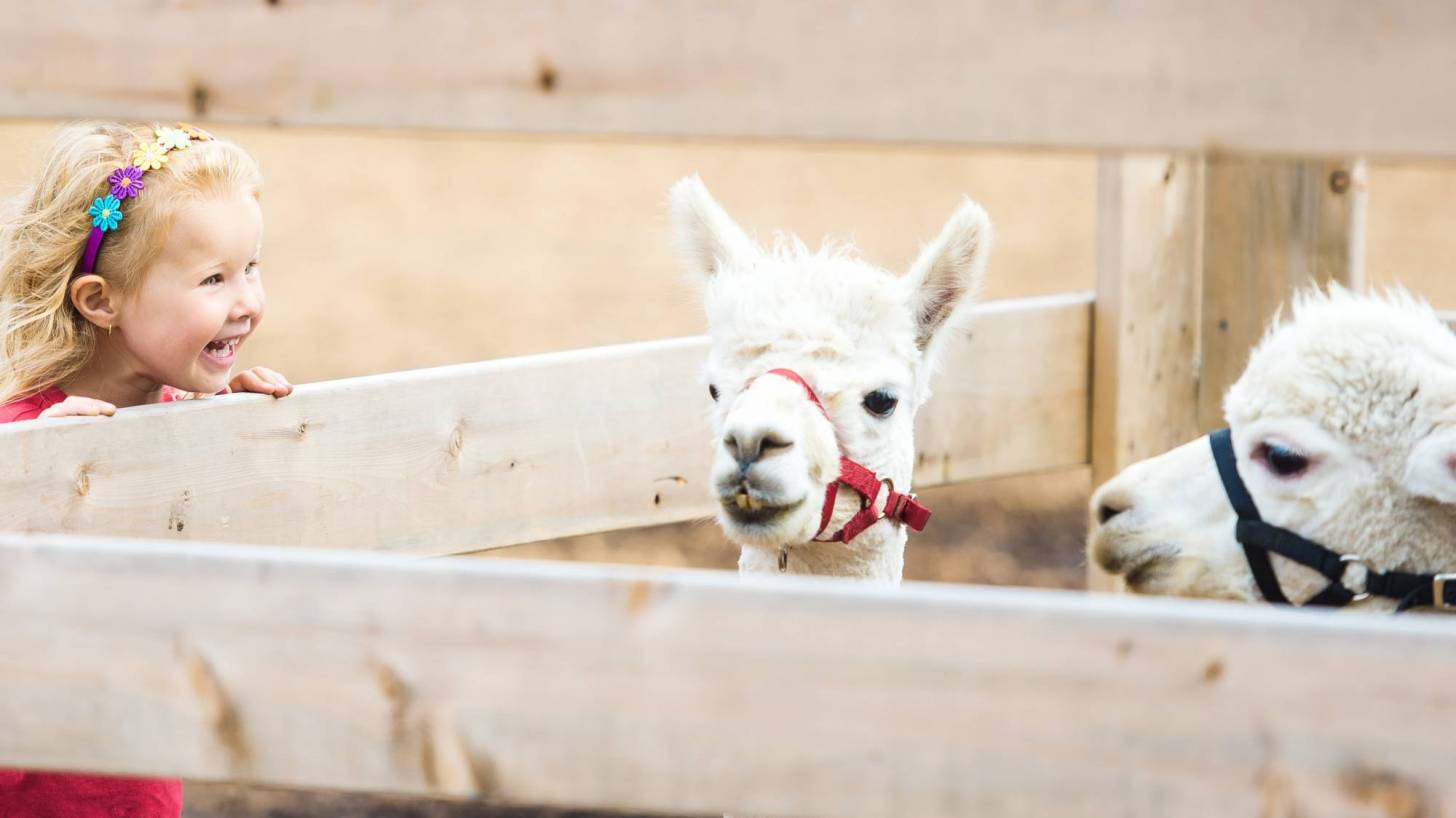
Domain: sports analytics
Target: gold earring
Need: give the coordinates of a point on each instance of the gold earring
(108, 329)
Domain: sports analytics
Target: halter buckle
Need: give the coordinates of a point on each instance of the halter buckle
(1438, 591)
(1365, 594)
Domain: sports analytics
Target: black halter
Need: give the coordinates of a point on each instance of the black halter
(1259, 538)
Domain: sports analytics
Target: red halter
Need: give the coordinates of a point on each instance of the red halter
(902, 508)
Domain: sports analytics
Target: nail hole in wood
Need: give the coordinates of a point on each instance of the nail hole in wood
(1213, 671)
(546, 76)
(199, 100)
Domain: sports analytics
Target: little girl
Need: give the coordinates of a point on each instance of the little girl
(128, 275)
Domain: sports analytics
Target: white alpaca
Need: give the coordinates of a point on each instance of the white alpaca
(861, 337)
(1344, 429)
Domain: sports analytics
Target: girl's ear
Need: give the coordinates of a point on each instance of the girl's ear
(94, 298)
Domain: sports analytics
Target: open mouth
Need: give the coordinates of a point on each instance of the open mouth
(746, 507)
(222, 352)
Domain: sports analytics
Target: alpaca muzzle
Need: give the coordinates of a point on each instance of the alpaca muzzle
(901, 509)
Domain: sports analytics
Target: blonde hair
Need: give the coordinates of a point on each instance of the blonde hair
(44, 339)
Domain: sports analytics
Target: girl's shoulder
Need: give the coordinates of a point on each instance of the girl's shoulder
(29, 408)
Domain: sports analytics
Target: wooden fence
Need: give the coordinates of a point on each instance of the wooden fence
(585, 685)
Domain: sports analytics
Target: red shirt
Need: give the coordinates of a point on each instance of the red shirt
(27, 794)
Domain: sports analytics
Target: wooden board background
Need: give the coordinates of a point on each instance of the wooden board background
(485, 247)
(1336, 77)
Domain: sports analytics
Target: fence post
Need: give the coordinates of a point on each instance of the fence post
(1194, 255)
(1271, 226)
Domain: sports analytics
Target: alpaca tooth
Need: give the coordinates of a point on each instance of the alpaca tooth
(742, 500)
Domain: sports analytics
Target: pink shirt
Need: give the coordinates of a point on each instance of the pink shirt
(33, 794)
(31, 407)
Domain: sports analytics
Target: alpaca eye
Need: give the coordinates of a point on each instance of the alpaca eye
(1281, 460)
(712, 391)
(880, 403)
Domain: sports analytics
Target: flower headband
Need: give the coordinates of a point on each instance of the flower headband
(126, 183)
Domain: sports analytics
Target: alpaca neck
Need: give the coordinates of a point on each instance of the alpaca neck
(876, 555)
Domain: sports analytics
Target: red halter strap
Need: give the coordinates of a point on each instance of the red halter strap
(901, 508)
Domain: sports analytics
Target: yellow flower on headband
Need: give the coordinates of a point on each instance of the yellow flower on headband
(149, 156)
(171, 139)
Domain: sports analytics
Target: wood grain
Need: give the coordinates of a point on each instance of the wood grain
(1337, 77)
(698, 692)
(1271, 226)
(475, 456)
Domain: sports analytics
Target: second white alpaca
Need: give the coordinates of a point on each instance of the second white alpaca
(1344, 429)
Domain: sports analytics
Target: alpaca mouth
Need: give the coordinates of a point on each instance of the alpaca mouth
(1136, 567)
(748, 507)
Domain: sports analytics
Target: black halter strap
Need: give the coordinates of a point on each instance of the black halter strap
(1260, 538)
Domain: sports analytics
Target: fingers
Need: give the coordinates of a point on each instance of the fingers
(281, 386)
(263, 381)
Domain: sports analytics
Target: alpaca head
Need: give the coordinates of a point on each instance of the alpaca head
(862, 337)
(1344, 426)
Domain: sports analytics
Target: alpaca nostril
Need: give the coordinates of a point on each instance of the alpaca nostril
(748, 447)
(1106, 511)
(772, 444)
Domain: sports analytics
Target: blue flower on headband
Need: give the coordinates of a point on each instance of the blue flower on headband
(105, 213)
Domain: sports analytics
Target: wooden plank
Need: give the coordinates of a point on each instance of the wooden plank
(1144, 390)
(482, 455)
(634, 689)
(1270, 227)
(1242, 75)
(987, 412)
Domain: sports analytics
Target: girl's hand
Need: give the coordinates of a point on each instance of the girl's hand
(75, 406)
(262, 380)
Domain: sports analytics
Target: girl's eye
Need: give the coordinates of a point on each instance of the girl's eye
(1282, 460)
(881, 403)
(712, 391)
(252, 268)
(215, 278)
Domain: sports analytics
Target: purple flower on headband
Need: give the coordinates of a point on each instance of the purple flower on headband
(126, 182)
(105, 213)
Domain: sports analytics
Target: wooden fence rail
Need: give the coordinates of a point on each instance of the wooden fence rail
(476, 456)
(1335, 77)
(698, 692)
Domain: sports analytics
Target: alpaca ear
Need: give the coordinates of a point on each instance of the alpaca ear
(1431, 469)
(708, 239)
(949, 271)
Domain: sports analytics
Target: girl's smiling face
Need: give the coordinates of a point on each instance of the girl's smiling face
(201, 297)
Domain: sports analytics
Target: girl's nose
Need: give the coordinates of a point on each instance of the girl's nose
(248, 303)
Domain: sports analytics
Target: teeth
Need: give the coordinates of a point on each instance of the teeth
(745, 501)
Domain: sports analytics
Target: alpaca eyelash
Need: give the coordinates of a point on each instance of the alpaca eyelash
(1283, 461)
